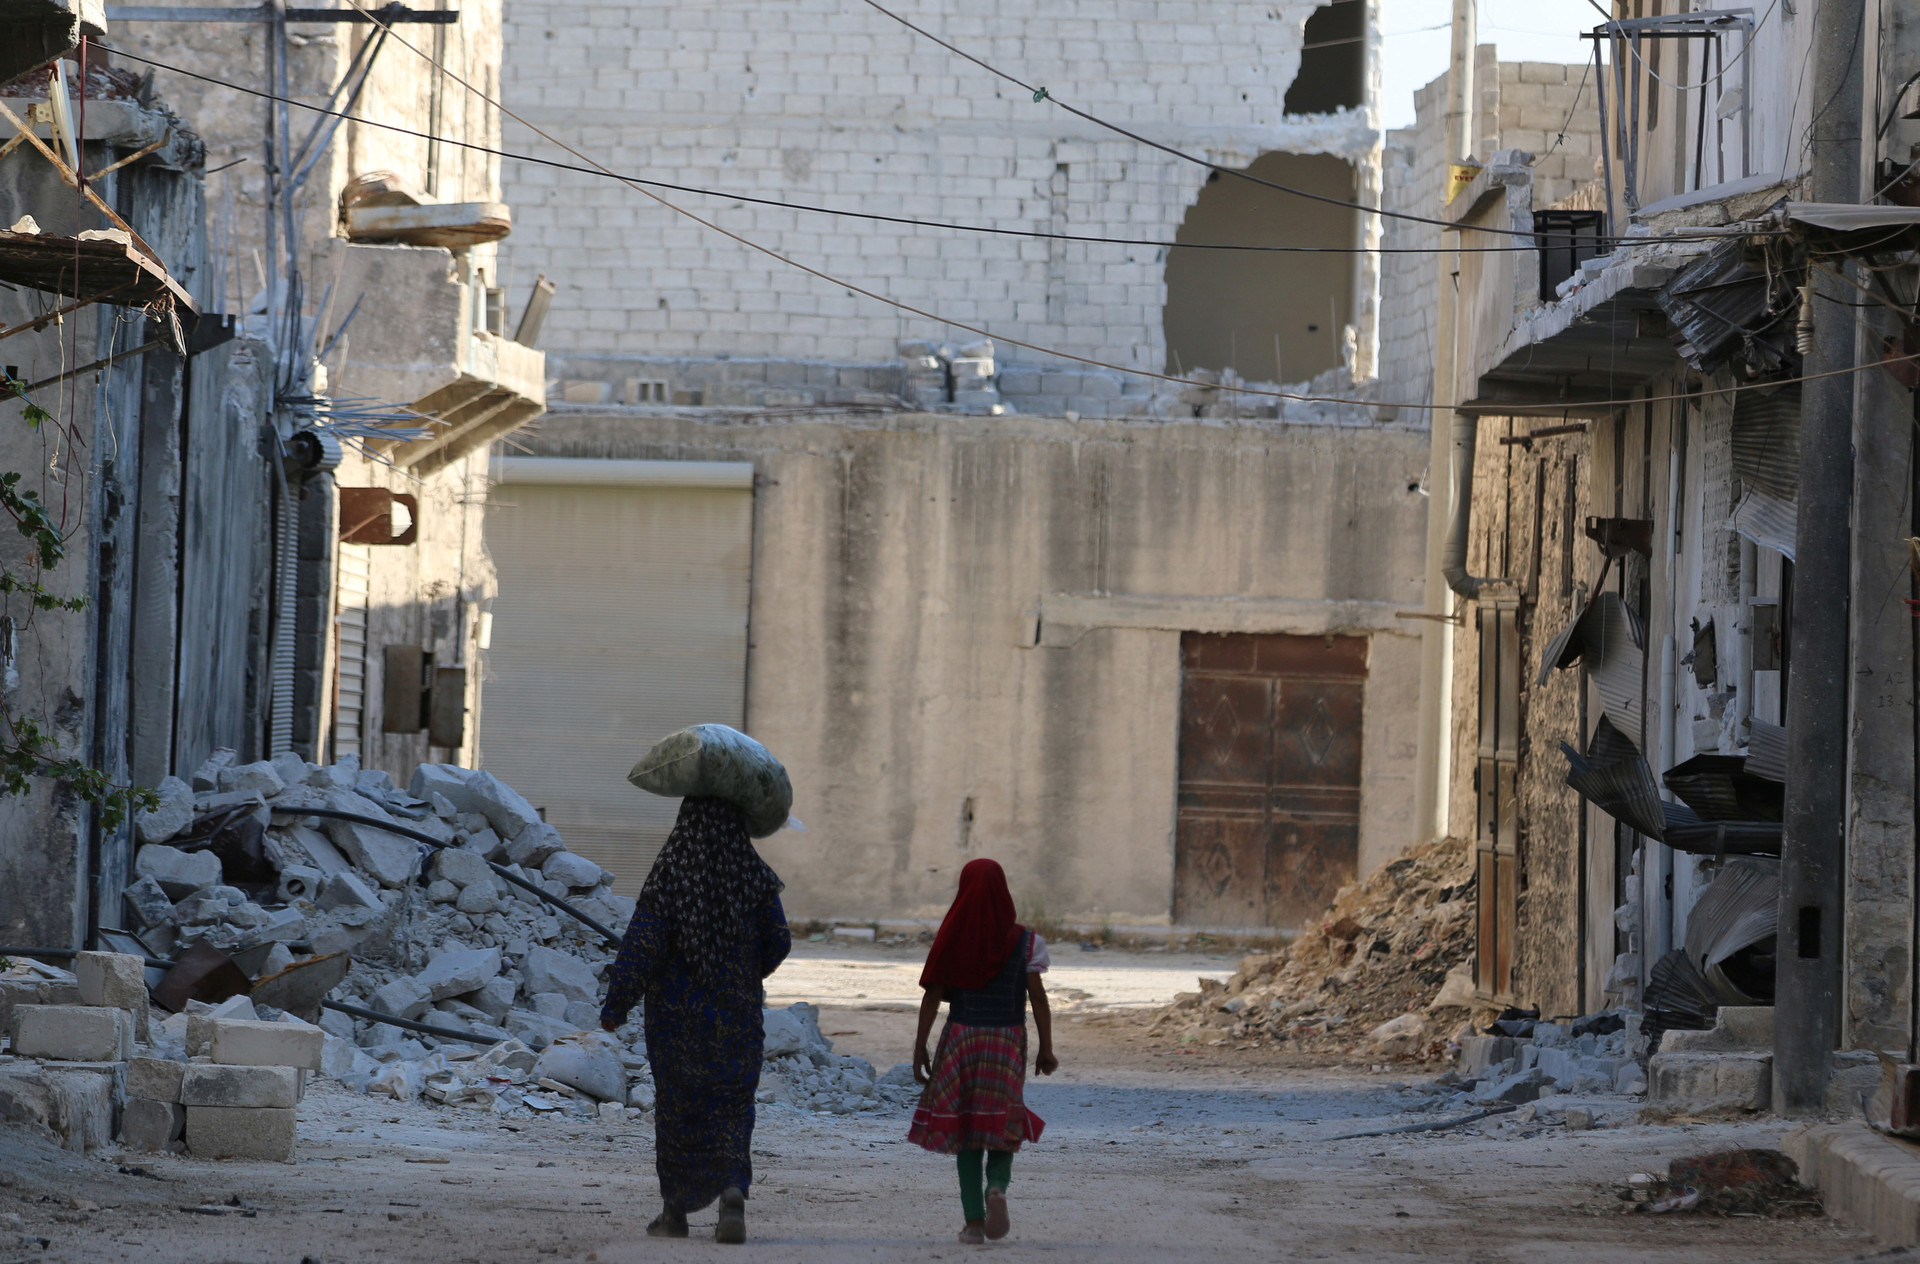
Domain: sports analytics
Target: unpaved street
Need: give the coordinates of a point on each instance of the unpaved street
(1152, 1153)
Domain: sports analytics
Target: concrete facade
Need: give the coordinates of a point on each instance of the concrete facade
(956, 615)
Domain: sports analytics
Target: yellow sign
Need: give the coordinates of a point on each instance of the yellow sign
(1459, 176)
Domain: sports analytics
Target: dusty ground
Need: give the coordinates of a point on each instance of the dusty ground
(1153, 1152)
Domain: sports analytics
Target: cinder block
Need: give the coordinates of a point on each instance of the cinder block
(157, 1079)
(15, 993)
(1710, 1083)
(240, 1132)
(73, 1033)
(251, 1086)
(237, 1042)
(146, 1124)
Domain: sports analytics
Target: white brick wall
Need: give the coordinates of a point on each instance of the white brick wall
(827, 102)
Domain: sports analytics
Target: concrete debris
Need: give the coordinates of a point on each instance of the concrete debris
(73, 1033)
(1388, 946)
(588, 1062)
(173, 815)
(179, 873)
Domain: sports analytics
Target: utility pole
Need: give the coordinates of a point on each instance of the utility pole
(1813, 846)
(1436, 651)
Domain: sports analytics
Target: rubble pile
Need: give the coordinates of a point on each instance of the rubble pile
(1724, 1183)
(433, 935)
(1386, 971)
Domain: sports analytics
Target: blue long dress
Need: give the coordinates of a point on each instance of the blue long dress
(704, 1042)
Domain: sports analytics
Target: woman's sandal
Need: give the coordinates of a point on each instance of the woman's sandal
(732, 1227)
(997, 1222)
(974, 1233)
(668, 1224)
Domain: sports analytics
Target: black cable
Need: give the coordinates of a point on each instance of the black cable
(873, 216)
(407, 1024)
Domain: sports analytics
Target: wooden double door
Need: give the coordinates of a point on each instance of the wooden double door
(1268, 823)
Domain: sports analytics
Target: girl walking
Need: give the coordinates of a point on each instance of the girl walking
(986, 967)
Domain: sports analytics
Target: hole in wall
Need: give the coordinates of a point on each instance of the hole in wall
(1333, 60)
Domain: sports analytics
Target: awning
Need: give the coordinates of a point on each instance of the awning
(100, 265)
(1597, 344)
(1767, 520)
(1862, 229)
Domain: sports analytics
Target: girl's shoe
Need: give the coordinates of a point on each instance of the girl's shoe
(974, 1233)
(732, 1227)
(668, 1224)
(997, 1222)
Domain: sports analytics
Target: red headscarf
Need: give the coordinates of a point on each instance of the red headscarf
(978, 933)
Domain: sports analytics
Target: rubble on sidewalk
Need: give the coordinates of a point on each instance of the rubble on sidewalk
(1372, 976)
(1725, 1183)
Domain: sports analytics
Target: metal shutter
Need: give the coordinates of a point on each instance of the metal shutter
(621, 616)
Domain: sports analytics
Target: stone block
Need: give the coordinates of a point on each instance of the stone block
(157, 1079)
(117, 979)
(550, 970)
(146, 1124)
(18, 992)
(84, 1102)
(494, 999)
(237, 1042)
(571, 870)
(462, 867)
(1520, 1087)
(480, 899)
(251, 1086)
(1479, 1054)
(531, 847)
(459, 972)
(482, 792)
(260, 778)
(1735, 1027)
(240, 1132)
(1710, 1083)
(391, 858)
(404, 997)
(148, 904)
(174, 814)
(207, 775)
(345, 890)
(73, 1033)
(179, 873)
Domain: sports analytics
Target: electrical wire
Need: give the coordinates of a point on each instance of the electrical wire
(1040, 94)
(874, 216)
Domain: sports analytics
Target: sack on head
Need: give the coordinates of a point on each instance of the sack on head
(714, 761)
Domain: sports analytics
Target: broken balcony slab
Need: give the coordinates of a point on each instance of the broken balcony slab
(100, 265)
(452, 225)
(1603, 340)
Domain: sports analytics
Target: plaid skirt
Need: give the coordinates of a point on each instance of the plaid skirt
(973, 1100)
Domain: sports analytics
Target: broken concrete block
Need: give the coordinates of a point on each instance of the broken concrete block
(237, 1042)
(179, 873)
(1710, 1083)
(335, 776)
(146, 1124)
(480, 792)
(76, 1109)
(1400, 1035)
(532, 846)
(112, 978)
(175, 813)
(391, 858)
(549, 1004)
(374, 782)
(405, 997)
(200, 1022)
(260, 778)
(345, 890)
(16, 992)
(550, 970)
(1479, 1054)
(574, 871)
(238, 1132)
(479, 899)
(207, 775)
(320, 849)
(461, 867)
(440, 891)
(73, 1033)
(586, 1063)
(510, 1055)
(493, 999)
(157, 1079)
(251, 1086)
(1520, 1087)
(292, 769)
(148, 904)
(300, 882)
(456, 973)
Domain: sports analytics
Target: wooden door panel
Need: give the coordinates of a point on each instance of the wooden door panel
(1317, 733)
(1224, 729)
(1307, 861)
(1220, 876)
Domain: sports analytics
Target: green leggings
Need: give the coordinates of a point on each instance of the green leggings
(999, 1165)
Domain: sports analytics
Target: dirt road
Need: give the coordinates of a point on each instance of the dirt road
(1152, 1153)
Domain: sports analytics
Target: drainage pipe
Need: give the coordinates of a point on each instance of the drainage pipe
(1453, 553)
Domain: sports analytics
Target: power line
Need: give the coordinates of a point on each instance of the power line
(1511, 410)
(983, 229)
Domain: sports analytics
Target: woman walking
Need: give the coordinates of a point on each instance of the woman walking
(707, 928)
(986, 967)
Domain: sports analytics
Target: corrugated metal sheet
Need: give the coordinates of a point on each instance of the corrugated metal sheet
(1767, 521)
(1725, 304)
(1609, 636)
(1766, 440)
(1767, 752)
(1738, 911)
(622, 616)
(1719, 788)
(1614, 777)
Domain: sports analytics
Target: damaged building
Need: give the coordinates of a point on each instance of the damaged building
(1627, 546)
(1137, 639)
(259, 367)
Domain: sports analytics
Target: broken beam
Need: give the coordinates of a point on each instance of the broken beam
(264, 13)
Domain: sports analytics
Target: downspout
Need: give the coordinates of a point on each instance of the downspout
(1453, 552)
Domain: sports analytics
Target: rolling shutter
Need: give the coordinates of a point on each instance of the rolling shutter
(621, 616)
